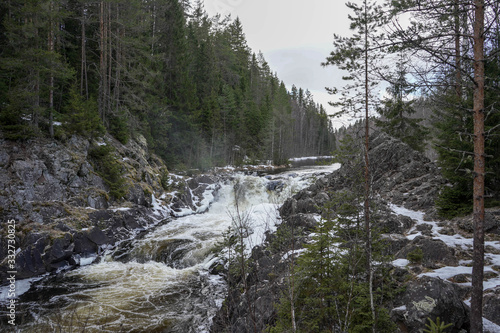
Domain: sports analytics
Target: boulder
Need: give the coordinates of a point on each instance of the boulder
(491, 222)
(29, 261)
(429, 297)
(491, 305)
(435, 252)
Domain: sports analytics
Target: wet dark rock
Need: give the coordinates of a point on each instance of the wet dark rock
(306, 221)
(491, 305)
(491, 222)
(62, 248)
(274, 185)
(288, 208)
(394, 243)
(136, 195)
(29, 261)
(435, 252)
(52, 185)
(193, 183)
(206, 179)
(429, 297)
(97, 236)
(83, 245)
(307, 205)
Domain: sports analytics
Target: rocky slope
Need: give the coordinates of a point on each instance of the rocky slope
(401, 177)
(62, 207)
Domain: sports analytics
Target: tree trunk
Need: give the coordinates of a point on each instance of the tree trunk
(50, 45)
(84, 89)
(458, 58)
(102, 65)
(368, 230)
(479, 171)
(109, 38)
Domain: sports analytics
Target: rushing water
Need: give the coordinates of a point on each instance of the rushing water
(161, 282)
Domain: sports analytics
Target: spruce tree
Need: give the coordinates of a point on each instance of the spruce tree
(397, 111)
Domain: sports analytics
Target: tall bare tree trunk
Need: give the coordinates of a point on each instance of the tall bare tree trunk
(458, 58)
(118, 60)
(102, 64)
(368, 230)
(109, 38)
(51, 78)
(84, 86)
(479, 171)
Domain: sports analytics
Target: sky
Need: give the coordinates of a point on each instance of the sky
(295, 37)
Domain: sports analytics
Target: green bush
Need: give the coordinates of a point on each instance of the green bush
(109, 169)
(454, 201)
(416, 256)
(81, 116)
(165, 181)
(436, 327)
(118, 127)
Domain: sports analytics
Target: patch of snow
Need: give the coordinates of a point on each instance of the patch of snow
(120, 209)
(295, 253)
(296, 159)
(456, 240)
(87, 261)
(22, 286)
(400, 262)
(56, 123)
(101, 143)
(490, 326)
(413, 236)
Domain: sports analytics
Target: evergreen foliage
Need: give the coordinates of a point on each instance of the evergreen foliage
(442, 67)
(453, 139)
(397, 111)
(188, 83)
(436, 327)
(81, 117)
(332, 287)
(109, 169)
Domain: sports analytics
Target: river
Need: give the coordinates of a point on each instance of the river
(161, 282)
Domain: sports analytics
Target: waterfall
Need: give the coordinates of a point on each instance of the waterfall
(161, 282)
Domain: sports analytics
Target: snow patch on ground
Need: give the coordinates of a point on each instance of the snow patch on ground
(464, 267)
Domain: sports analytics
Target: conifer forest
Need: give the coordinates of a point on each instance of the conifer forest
(119, 116)
(189, 83)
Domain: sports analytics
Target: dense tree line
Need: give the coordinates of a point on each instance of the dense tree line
(189, 83)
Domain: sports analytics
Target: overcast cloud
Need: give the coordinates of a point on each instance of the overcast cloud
(295, 36)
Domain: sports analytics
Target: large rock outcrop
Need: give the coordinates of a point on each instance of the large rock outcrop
(63, 209)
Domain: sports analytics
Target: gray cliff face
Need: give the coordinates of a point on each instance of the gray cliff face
(62, 207)
(402, 177)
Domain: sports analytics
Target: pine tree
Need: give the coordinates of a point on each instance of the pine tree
(33, 66)
(397, 110)
(437, 39)
(358, 56)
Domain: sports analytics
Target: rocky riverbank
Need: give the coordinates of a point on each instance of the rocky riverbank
(62, 207)
(404, 182)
